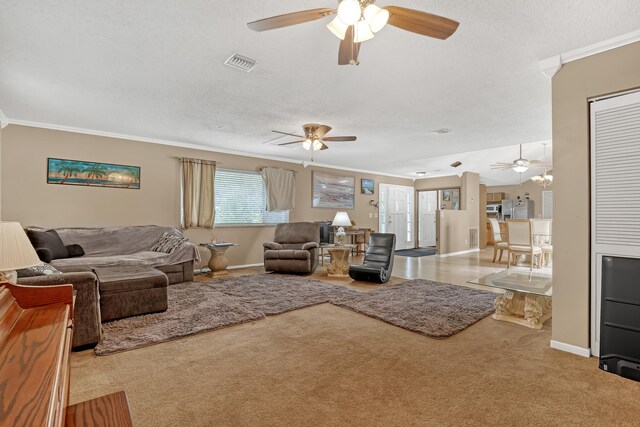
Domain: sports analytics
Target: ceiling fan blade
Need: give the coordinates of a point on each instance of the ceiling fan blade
(340, 138)
(422, 22)
(289, 19)
(292, 142)
(321, 131)
(290, 134)
(348, 51)
(324, 147)
(274, 139)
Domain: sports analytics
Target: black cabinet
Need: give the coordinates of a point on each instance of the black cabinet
(620, 317)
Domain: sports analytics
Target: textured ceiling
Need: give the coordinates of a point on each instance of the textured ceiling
(154, 69)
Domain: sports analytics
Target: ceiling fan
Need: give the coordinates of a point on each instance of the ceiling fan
(314, 137)
(521, 165)
(358, 20)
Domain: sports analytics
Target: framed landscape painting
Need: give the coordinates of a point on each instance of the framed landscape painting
(92, 174)
(367, 186)
(333, 191)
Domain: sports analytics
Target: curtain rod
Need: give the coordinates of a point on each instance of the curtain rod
(262, 167)
(189, 159)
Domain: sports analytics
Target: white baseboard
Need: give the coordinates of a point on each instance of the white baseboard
(574, 349)
(235, 267)
(468, 251)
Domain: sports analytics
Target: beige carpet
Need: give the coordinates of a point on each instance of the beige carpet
(325, 365)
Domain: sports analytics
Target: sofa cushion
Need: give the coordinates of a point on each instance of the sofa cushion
(129, 278)
(38, 270)
(290, 254)
(49, 240)
(168, 243)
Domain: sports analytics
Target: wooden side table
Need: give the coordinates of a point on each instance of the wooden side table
(339, 266)
(218, 262)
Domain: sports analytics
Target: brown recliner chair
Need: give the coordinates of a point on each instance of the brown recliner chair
(294, 248)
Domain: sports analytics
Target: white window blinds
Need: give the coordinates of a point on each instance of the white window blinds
(241, 198)
(616, 170)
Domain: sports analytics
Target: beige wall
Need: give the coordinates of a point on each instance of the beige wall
(452, 227)
(608, 72)
(27, 198)
(483, 216)
(513, 191)
(1, 130)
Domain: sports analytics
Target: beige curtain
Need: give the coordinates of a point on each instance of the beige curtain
(197, 192)
(281, 188)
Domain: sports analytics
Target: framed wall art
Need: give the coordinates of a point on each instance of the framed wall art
(367, 186)
(92, 174)
(333, 191)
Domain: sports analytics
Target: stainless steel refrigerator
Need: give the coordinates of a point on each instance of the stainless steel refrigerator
(507, 209)
(523, 209)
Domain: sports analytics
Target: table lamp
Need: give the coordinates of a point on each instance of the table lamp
(341, 220)
(16, 251)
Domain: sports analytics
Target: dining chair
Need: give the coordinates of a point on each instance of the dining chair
(521, 241)
(541, 231)
(498, 243)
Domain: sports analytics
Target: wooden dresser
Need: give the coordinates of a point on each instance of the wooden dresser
(35, 344)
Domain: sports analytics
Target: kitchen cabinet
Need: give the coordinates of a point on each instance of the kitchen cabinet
(495, 197)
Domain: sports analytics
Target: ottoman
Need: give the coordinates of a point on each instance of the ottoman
(127, 291)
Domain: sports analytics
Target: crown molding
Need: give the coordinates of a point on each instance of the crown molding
(327, 166)
(551, 66)
(189, 145)
(4, 121)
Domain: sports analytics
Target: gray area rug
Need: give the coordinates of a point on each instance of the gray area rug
(434, 309)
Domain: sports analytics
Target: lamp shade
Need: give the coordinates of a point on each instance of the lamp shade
(16, 250)
(362, 32)
(376, 17)
(349, 11)
(341, 220)
(338, 27)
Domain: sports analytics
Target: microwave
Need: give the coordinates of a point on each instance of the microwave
(493, 208)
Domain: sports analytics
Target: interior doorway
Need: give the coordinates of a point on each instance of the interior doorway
(396, 214)
(427, 206)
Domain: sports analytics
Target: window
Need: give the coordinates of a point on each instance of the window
(240, 198)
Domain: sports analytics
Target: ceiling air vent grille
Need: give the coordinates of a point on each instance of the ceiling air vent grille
(240, 62)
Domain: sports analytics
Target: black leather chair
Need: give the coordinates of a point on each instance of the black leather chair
(378, 260)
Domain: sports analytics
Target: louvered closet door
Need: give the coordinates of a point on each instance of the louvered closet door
(615, 189)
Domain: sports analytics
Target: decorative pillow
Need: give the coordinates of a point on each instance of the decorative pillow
(75, 251)
(38, 270)
(168, 243)
(48, 240)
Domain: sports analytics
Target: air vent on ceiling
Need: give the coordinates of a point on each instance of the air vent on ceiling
(441, 131)
(456, 164)
(241, 63)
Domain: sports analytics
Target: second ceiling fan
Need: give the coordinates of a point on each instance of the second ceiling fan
(358, 20)
(314, 137)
